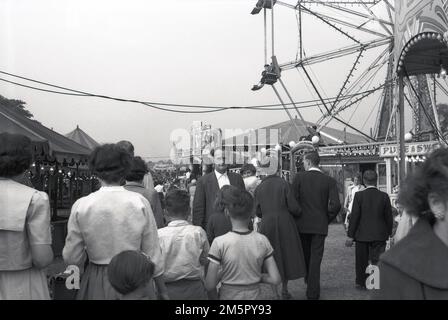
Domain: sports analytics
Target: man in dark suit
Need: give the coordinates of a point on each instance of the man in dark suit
(318, 197)
(207, 188)
(370, 225)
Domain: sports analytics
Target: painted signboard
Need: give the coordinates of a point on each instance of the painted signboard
(412, 149)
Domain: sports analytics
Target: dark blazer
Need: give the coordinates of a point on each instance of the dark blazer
(371, 217)
(207, 188)
(416, 268)
(318, 197)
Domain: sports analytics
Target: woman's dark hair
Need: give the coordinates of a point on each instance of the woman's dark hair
(177, 202)
(432, 177)
(129, 270)
(249, 167)
(137, 171)
(15, 154)
(127, 146)
(110, 163)
(239, 202)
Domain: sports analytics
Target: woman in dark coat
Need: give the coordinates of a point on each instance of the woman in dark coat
(416, 268)
(276, 206)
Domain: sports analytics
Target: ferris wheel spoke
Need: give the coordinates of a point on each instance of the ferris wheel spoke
(382, 24)
(354, 26)
(336, 53)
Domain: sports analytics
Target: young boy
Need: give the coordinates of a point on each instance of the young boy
(241, 253)
(130, 274)
(184, 248)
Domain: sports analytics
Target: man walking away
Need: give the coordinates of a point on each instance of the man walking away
(318, 197)
(370, 225)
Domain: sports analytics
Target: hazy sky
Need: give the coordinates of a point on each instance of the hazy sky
(207, 52)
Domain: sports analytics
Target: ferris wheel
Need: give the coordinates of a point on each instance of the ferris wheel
(367, 26)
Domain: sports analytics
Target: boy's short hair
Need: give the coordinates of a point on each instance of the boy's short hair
(239, 202)
(127, 146)
(370, 177)
(313, 157)
(129, 270)
(177, 202)
(137, 171)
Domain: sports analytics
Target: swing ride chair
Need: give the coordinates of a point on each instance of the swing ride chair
(269, 76)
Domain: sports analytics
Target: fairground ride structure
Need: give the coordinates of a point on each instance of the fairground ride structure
(367, 25)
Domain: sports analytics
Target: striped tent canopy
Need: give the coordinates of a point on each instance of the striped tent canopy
(48, 144)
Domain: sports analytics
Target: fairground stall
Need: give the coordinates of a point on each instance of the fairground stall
(59, 167)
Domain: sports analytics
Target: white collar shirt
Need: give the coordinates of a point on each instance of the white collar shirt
(185, 249)
(223, 179)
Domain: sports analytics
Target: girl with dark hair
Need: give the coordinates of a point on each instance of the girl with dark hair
(25, 236)
(108, 222)
(416, 268)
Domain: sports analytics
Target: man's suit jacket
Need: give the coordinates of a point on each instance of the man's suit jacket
(371, 218)
(318, 197)
(207, 188)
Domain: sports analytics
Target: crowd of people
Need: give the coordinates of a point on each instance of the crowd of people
(221, 236)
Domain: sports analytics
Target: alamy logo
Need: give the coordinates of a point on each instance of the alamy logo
(373, 280)
(72, 281)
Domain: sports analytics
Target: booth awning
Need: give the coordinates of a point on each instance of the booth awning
(45, 140)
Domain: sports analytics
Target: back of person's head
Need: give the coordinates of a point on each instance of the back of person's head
(129, 271)
(177, 203)
(15, 154)
(313, 157)
(248, 167)
(370, 178)
(110, 163)
(127, 146)
(239, 203)
(430, 180)
(137, 171)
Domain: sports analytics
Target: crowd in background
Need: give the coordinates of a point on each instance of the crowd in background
(222, 235)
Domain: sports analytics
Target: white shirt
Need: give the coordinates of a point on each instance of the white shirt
(314, 169)
(223, 179)
(353, 190)
(108, 222)
(185, 249)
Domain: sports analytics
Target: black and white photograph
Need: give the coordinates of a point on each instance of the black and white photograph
(209, 154)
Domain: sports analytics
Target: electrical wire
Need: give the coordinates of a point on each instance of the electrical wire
(73, 92)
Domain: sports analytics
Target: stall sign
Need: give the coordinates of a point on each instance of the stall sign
(411, 149)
